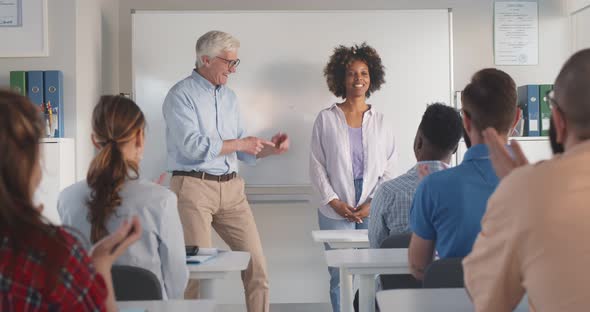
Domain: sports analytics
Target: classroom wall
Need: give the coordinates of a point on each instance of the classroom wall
(88, 74)
(95, 24)
(576, 5)
(110, 47)
(580, 26)
(75, 47)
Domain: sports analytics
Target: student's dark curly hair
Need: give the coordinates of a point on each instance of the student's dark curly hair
(335, 70)
(442, 127)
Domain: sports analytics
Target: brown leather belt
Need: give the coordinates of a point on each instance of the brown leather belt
(205, 175)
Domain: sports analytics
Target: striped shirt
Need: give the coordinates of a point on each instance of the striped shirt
(390, 208)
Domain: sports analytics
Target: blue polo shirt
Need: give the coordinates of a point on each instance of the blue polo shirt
(448, 205)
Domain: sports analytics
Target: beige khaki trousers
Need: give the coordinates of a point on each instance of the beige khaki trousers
(203, 204)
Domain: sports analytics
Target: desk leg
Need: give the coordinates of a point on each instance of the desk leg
(367, 293)
(206, 288)
(346, 295)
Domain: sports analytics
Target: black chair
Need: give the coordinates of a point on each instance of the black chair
(398, 281)
(397, 241)
(444, 273)
(133, 283)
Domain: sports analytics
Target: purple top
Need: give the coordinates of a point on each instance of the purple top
(355, 136)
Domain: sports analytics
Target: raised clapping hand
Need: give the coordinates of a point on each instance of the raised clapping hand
(279, 144)
(108, 249)
(281, 141)
(502, 161)
(253, 145)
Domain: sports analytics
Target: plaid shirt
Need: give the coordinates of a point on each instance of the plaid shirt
(390, 208)
(79, 288)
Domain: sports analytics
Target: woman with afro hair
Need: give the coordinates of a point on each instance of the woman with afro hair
(352, 147)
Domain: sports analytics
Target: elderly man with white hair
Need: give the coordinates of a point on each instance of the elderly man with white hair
(205, 139)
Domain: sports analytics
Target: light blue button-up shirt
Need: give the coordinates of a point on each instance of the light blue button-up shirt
(161, 246)
(199, 116)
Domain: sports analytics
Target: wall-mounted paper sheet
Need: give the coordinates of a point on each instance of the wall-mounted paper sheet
(516, 33)
(10, 13)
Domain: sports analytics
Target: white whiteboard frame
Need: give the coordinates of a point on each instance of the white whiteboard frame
(20, 37)
(283, 189)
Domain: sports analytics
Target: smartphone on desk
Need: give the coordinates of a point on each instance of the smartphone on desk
(191, 250)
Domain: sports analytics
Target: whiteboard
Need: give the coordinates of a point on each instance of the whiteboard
(280, 83)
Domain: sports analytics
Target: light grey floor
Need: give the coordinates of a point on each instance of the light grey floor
(280, 307)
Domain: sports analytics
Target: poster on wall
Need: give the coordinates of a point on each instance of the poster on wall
(10, 13)
(23, 28)
(516, 33)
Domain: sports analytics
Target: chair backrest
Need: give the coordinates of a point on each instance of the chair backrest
(398, 281)
(133, 283)
(444, 273)
(397, 241)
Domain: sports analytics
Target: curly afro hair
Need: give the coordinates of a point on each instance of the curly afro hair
(335, 70)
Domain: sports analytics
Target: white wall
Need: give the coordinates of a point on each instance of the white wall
(580, 26)
(88, 77)
(96, 26)
(576, 5)
(110, 47)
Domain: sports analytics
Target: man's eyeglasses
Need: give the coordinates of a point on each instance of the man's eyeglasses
(550, 96)
(463, 112)
(230, 63)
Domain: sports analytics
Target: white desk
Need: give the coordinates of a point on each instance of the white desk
(426, 300)
(170, 305)
(366, 263)
(217, 268)
(339, 239)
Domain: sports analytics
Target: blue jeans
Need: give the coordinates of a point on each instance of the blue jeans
(333, 224)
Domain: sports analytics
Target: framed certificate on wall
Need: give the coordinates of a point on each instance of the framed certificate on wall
(10, 13)
(23, 28)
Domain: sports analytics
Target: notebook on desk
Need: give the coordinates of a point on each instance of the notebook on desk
(203, 255)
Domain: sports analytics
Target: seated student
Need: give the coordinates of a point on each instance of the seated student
(535, 224)
(113, 191)
(449, 204)
(42, 267)
(435, 142)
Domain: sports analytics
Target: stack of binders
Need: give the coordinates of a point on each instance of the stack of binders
(44, 89)
(532, 100)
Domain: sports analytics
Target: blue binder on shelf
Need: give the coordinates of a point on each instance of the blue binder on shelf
(35, 87)
(53, 80)
(528, 99)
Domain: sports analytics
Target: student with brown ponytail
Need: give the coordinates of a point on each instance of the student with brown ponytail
(42, 267)
(113, 191)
